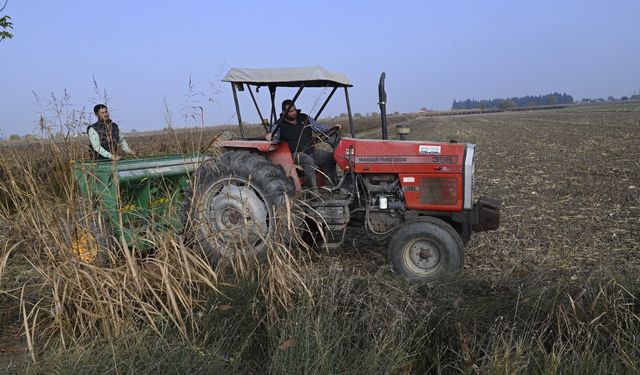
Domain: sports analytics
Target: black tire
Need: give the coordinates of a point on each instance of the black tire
(427, 250)
(235, 198)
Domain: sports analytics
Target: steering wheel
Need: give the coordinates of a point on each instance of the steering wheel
(331, 137)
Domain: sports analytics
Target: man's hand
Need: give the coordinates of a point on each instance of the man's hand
(268, 136)
(337, 126)
(115, 157)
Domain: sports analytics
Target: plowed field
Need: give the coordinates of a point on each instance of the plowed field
(569, 181)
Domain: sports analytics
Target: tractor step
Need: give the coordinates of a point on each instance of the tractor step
(333, 215)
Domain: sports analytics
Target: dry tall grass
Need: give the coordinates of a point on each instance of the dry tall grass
(69, 302)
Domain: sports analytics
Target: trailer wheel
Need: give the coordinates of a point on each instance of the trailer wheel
(92, 240)
(427, 250)
(234, 202)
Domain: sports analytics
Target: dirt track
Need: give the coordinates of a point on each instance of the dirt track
(570, 186)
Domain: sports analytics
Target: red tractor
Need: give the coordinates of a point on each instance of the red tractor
(417, 193)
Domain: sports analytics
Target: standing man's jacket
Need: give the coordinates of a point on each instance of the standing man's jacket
(109, 139)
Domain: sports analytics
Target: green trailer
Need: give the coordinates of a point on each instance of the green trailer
(130, 198)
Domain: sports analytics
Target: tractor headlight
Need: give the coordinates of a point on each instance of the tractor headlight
(469, 170)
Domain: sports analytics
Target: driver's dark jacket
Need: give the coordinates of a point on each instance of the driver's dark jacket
(299, 137)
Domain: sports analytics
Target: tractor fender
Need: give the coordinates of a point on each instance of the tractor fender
(278, 152)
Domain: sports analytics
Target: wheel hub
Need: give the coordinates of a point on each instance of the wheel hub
(236, 213)
(424, 255)
(231, 217)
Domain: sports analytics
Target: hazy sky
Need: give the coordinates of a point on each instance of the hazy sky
(143, 53)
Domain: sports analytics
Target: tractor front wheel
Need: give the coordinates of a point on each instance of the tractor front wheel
(426, 250)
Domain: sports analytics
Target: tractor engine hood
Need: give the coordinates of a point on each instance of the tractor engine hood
(384, 156)
(428, 171)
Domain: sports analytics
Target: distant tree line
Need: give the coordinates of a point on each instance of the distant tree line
(523, 101)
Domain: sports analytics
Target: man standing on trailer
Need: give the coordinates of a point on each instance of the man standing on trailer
(104, 135)
(297, 129)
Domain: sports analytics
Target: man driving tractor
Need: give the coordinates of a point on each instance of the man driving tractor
(296, 129)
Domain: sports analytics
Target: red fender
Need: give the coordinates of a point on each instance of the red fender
(278, 152)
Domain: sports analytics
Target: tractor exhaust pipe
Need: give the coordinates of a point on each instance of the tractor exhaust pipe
(382, 101)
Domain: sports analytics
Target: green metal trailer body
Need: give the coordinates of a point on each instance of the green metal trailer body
(138, 195)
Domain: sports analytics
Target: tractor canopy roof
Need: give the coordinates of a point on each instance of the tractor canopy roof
(314, 76)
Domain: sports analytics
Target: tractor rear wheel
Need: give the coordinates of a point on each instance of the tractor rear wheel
(233, 204)
(427, 250)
